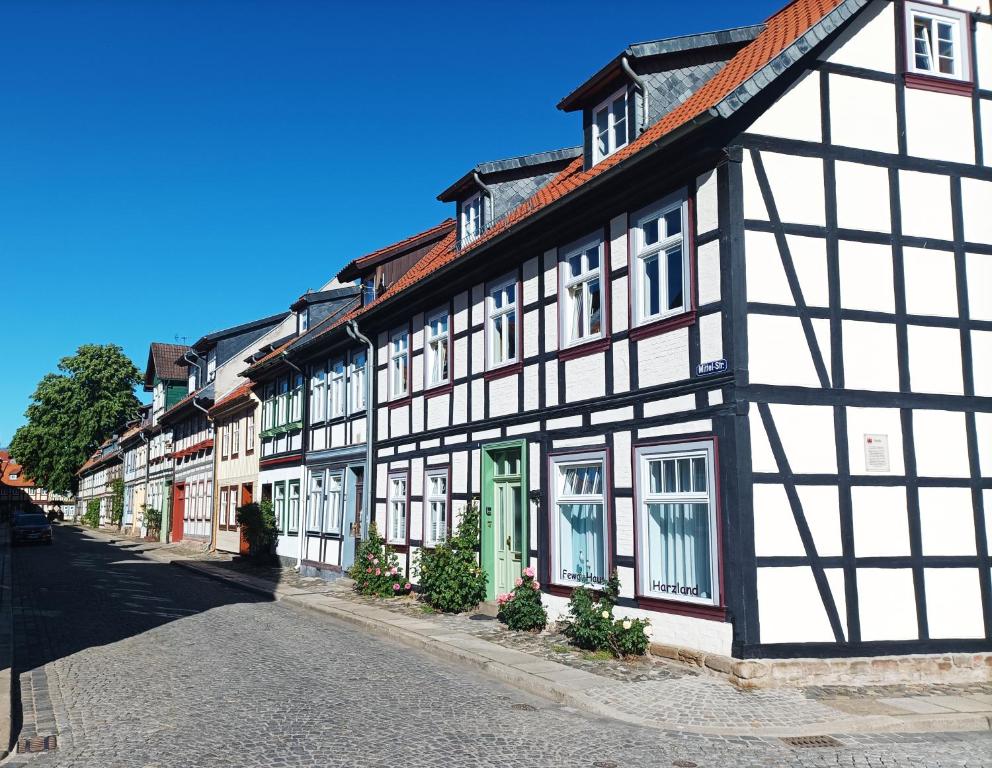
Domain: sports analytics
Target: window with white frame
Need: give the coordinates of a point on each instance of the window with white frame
(279, 504)
(334, 504)
(471, 218)
(293, 508)
(250, 433)
(501, 313)
(676, 510)
(315, 509)
(232, 509)
(581, 295)
(235, 437)
(660, 283)
(336, 390)
(396, 525)
(399, 364)
(223, 507)
(356, 397)
(282, 403)
(435, 507)
(436, 341)
(579, 516)
(936, 41)
(296, 399)
(269, 407)
(318, 386)
(609, 126)
(208, 501)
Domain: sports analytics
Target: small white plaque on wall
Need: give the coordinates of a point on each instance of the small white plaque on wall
(877, 453)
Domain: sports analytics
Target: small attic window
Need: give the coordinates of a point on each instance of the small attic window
(936, 42)
(303, 319)
(609, 126)
(471, 218)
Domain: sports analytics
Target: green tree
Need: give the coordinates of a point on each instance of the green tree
(73, 411)
(117, 502)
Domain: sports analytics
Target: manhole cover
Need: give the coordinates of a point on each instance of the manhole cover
(811, 742)
(523, 707)
(37, 744)
(683, 764)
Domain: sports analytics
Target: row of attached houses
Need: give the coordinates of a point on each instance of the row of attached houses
(735, 345)
(20, 494)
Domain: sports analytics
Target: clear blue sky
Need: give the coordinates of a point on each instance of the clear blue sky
(172, 168)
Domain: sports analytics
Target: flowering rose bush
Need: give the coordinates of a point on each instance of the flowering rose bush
(590, 624)
(630, 637)
(450, 577)
(522, 608)
(376, 570)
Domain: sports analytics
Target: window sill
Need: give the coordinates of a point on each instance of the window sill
(694, 610)
(939, 84)
(585, 348)
(400, 402)
(662, 326)
(437, 390)
(506, 370)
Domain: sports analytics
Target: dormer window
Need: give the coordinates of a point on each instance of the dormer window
(609, 126)
(303, 320)
(935, 38)
(472, 218)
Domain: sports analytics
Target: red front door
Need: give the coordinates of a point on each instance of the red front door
(246, 494)
(178, 512)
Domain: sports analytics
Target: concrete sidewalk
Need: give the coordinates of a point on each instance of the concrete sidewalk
(672, 697)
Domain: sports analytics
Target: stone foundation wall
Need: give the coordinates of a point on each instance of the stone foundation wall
(951, 669)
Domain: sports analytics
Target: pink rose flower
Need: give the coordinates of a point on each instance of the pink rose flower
(375, 561)
(368, 570)
(396, 587)
(408, 585)
(378, 572)
(393, 570)
(536, 585)
(529, 572)
(519, 581)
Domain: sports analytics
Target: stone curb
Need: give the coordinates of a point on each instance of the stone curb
(563, 692)
(7, 678)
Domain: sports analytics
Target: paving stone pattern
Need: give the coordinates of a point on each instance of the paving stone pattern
(151, 666)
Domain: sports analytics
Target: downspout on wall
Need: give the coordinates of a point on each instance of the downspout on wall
(305, 413)
(213, 479)
(488, 192)
(639, 82)
(352, 327)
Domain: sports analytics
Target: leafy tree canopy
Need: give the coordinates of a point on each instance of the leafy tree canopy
(73, 411)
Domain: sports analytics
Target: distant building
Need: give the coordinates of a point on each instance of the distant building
(19, 493)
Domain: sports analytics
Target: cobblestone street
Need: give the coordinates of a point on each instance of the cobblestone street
(132, 662)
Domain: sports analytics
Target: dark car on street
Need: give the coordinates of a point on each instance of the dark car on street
(31, 528)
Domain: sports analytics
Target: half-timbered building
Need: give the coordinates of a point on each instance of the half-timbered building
(735, 348)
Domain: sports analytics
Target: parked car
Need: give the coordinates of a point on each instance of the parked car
(28, 528)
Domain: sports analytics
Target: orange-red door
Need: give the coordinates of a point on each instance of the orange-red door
(246, 498)
(178, 511)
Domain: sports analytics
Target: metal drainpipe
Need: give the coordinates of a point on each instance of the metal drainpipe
(488, 192)
(213, 478)
(304, 412)
(639, 81)
(352, 327)
(147, 442)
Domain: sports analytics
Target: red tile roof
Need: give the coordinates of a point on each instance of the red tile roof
(11, 467)
(164, 358)
(407, 244)
(238, 393)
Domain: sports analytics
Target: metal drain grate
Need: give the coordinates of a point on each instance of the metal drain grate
(37, 744)
(683, 764)
(524, 707)
(811, 742)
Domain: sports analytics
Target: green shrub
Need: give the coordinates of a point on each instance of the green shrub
(91, 516)
(377, 569)
(590, 624)
(522, 608)
(258, 524)
(152, 517)
(117, 502)
(450, 577)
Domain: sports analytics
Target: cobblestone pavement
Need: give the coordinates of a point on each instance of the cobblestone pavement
(136, 663)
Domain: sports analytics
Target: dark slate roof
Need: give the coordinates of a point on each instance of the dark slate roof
(452, 193)
(203, 393)
(163, 362)
(319, 297)
(294, 343)
(739, 35)
(209, 339)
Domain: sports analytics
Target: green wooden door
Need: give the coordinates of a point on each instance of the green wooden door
(504, 516)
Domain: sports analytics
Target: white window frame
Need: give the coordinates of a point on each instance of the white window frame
(296, 398)
(640, 253)
(232, 512)
(318, 389)
(356, 383)
(396, 504)
(961, 30)
(587, 276)
(336, 391)
(433, 341)
(394, 356)
(333, 502)
(292, 506)
(224, 493)
(431, 537)
(315, 505)
(279, 504)
(471, 217)
(611, 144)
(643, 455)
(250, 433)
(492, 313)
(558, 463)
(235, 427)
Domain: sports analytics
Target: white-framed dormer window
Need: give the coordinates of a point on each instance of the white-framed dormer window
(399, 364)
(336, 390)
(501, 322)
(303, 320)
(579, 519)
(677, 554)
(471, 218)
(318, 389)
(660, 280)
(581, 292)
(435, 507)
(610, 126)
(936, 41)
(396, 523)
(436, 343)
(211, 365)
(356, 395)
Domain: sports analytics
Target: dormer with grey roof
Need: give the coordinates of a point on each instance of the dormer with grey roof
(493, 189)
(645, 82)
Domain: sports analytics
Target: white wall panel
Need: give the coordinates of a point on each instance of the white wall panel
(790, 609)
(551, 273)
(531, 387)
(460, 411)
(874, 421)
(822, 509)
(585, 377)
(941, 444)
(551, 383)
(930, 282)
(887, 604)
(708, 269)
(670, 405)
(762, 458)
(809, 256)
(478, 305)
(532, 340)
(981, 360)
(754, 204)
(551, 327)
(871, 358)
(797, 187)
(460, 320)
(626, 413)
(863, 197)
(807, 434)
(983, 42)
(530, 281)
(621, 366)
(624, 511)
(985, 116)
(711, 337)
(478, 353)
(954, 603)
(976, 202)
(881, 521)
(778, 352)
(437, 411)
(935, 360)
(618, 241)
(564, 422)
(664, 358)
(775, 530)
(939, 126)
(795, 114)
(459, 472)
(399, 421)
(866, 280)
(947, 521)
(478, 399)
(685, 428)
(983, 423)
(979, 269)
(856, 103)
(621, 460)
(926, 204)
(766, 280)
(869, 44)
(619, 308)
(707, 203)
